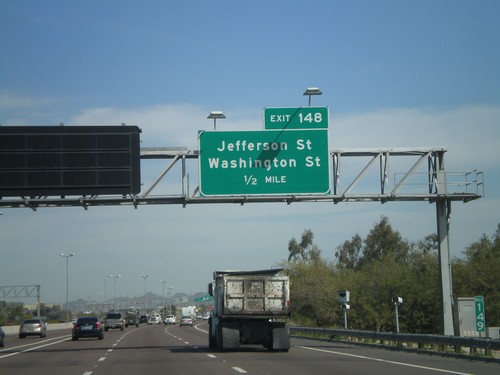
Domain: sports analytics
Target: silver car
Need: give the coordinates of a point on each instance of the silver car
(186, 321)
(33, 327)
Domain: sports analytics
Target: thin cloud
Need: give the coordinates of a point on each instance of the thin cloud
(470, 134)
(13, 102)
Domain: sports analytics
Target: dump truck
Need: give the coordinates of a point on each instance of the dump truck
(250, 308)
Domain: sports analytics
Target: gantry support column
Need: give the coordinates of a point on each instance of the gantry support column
(443, 211)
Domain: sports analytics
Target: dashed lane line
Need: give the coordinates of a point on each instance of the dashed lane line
(240, 370)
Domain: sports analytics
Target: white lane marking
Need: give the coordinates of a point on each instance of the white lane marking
(10, 348)
(240, 370)
(385, 361)
(199, 329)
(33, 348)
(186, 342)
(211, 356)
(110, 350)
(102, 359)
(9, 355)
(87, 373)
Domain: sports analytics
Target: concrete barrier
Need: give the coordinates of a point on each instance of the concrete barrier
(14, 330)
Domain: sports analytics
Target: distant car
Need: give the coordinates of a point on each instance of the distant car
(131, 320)
(186, 321)
(205, 316)
(143, 319)
(169, 319)
(114, 320)
(2, 337)
(88, 326)
(154, 319)
(33, 327)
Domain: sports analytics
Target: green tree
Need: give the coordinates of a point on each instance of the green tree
(50, 312)
(383, 241)
(311, 279)
(348, 254)
(478, 274)
(372, 293)
(382, 266)
(312, 296)
(3, 313)
(305, 250)
(14, 312)
(421, 310)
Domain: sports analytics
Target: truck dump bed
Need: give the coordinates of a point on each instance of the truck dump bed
(254, 293)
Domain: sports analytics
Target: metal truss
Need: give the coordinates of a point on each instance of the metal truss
(357, 175)
(21, 291)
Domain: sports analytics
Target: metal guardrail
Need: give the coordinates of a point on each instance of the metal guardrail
(436, 343)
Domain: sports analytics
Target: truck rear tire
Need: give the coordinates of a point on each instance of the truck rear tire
(231, 336)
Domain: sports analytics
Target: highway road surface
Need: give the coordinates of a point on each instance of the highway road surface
(159, 349)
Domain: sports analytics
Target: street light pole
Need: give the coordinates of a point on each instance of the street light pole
(170, 304)
(144, 276)
(67, 282)
(163, 282)
(105, 288)
(215, 115)
(114, 284)
(310, 91)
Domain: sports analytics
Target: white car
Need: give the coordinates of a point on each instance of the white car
(154, 319)
(169, 319)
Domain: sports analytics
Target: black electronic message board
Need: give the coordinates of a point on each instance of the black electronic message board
(69, 160)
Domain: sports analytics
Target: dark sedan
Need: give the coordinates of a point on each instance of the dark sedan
(88, 326)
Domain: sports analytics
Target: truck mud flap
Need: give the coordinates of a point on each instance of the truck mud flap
(281, 339)
(211, 338)
(228, 337)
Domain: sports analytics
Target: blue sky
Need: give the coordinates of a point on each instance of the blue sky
(393, 74)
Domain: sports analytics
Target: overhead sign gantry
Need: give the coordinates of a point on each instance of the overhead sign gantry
(288, 161)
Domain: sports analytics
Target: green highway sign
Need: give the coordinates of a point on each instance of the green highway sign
(480, 318)
(264, 162)
(296, 118)
(205, 298)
